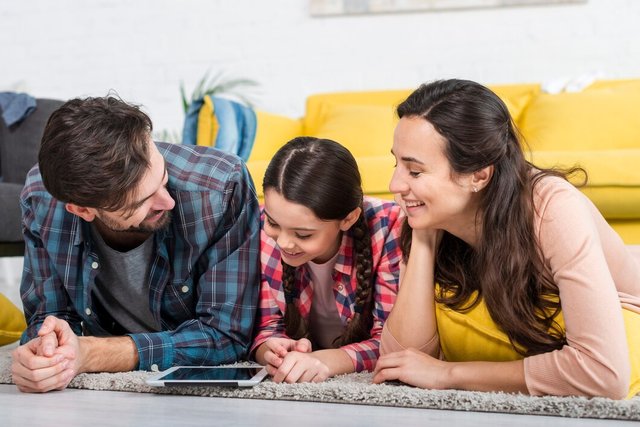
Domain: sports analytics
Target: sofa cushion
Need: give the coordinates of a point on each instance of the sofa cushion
(12, 322)
(366, 130)
(272, 132)
(598, 119)
(613, 183)
(320, 107)
(516, 97)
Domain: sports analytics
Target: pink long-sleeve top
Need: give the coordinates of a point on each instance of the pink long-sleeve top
(596, 274)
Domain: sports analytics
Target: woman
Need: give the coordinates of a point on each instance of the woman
(330, 265)
(515, 279)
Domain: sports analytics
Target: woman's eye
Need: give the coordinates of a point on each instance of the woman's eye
(414, 174)
(272, 224)
(303, 237)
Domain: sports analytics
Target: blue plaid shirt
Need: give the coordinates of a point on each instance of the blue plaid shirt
(204, 280)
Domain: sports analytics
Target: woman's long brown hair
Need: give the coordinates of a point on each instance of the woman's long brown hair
(506, 268)
(323, 176)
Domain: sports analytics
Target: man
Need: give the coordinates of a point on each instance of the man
(139, 255)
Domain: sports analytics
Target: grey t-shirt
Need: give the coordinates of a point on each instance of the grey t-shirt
(122, 284)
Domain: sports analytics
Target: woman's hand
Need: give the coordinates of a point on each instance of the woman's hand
(428, 237)
(414, 368)
(297, 367)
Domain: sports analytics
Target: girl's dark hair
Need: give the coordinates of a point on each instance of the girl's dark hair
(94, 152)
(507, 268)
(323, 176)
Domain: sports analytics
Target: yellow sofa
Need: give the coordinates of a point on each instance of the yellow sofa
(597, 128)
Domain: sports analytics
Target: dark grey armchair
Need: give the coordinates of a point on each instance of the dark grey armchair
(18, 153)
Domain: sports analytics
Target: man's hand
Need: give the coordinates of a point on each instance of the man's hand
(49, 361)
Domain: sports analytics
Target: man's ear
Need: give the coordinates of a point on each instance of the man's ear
(350, 219)
(481, 178)
(88, 214)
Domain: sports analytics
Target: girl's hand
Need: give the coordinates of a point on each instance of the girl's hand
(297, 367)
(414, 368)
(278, 348)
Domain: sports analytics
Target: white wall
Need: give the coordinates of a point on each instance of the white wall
(143, 49)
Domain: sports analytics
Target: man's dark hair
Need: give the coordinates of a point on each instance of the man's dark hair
(94, 152)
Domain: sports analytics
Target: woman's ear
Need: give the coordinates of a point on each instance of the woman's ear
(481, 178)
(88, 214)
(350, 219)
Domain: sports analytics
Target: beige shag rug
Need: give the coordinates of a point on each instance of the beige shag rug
(358, 389)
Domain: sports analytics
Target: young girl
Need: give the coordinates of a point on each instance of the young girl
(330, 265)
(514, 280)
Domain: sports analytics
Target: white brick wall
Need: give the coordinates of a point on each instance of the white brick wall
(144, 48)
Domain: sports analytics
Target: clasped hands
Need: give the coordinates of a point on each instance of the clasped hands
(48, 362)
(292, 361)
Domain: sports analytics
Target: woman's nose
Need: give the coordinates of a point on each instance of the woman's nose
(397, 185)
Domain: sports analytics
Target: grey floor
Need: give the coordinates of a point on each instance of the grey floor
(84, 408)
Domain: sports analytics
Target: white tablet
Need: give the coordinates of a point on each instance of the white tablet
(232, 376)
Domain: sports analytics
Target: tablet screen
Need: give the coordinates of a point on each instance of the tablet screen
(207, 373)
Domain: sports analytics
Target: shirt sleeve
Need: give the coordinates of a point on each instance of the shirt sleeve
(227, 291)
(270, 318)
(42, 291)
(594, 362)
(365, 354)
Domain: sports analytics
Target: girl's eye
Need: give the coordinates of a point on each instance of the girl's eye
(303, 237)
(271, 223)
(414, 174)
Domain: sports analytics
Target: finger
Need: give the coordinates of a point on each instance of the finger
(48, 325)
(272, 371)
(303, 345)
(26, 356)
(390, 360)
(55, 382)
(37, 375)
(308, 375)
(284, 369)
(276, 346)
(296, 372)
(281, 350)
(48, 344)
(272, 359)
(387, 374)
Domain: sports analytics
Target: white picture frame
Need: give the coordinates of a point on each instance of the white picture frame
(364, 7)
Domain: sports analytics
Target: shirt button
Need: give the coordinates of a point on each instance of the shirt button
(88, 311)
(154, 368)
(185, 289)
(94, 265)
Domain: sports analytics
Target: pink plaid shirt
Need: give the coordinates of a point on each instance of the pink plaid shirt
(385, 221)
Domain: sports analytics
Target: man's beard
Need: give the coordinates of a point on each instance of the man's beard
(162, 223)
